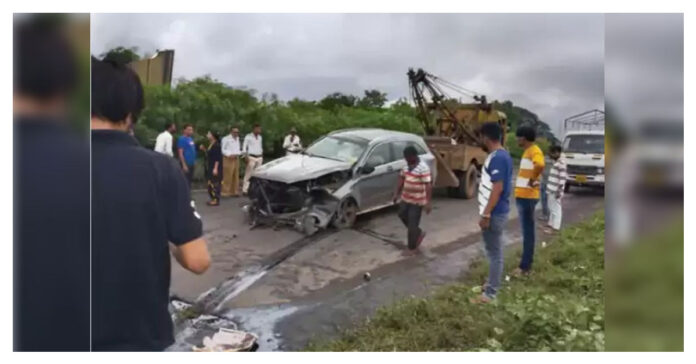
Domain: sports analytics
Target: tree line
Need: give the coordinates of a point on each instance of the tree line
(211, 105)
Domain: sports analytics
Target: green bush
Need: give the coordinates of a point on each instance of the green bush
(211, 105)
(516, 151)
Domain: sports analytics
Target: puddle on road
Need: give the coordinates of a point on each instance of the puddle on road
(262, 322)
(207, 308)
(213, 299)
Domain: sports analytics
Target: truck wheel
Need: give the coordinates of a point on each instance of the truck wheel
(346, 214)
(468, 183)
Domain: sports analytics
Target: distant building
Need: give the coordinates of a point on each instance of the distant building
(156, 70)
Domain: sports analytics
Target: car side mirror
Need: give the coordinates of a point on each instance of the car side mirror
(367, 169)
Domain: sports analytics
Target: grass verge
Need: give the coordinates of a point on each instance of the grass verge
(645, 293)
(559, 308)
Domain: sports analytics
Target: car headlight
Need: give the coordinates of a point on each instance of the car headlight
(600, 170)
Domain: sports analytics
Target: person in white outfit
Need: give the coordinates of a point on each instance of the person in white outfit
(292, 143)
(252, 149)
(231, 151)
(554, 188)
(165, 140)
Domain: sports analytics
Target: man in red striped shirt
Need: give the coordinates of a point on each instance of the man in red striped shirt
(415, 191)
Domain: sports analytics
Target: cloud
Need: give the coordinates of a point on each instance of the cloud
(645, 66)
(550, 63)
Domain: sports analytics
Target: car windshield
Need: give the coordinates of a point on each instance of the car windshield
(337, 148)
(584, 144)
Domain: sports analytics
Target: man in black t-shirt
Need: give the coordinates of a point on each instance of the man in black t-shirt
(141, 210)
(51, 195)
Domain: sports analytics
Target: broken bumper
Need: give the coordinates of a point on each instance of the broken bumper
(306, 209)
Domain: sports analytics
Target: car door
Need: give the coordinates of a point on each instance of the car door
(375, 188)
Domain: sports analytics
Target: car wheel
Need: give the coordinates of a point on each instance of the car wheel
(468, 183)
(346, 214)
(566, 188)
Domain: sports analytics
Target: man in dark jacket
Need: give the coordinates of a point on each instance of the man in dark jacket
(51, 196)
(141, 210)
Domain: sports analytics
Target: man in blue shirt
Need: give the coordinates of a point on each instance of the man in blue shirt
(494, 205)
(187, 152)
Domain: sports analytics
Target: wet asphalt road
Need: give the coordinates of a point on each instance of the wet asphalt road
(317, 288)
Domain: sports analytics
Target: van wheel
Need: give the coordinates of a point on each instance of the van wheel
(346, 214)
(468, 183)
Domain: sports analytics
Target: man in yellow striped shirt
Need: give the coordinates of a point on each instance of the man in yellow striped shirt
(527, 192)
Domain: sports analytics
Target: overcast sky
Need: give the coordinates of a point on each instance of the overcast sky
(551, 64)
(645, 66)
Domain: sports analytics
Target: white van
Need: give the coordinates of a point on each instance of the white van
(583, 152)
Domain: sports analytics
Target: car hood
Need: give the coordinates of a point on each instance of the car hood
(299, 167)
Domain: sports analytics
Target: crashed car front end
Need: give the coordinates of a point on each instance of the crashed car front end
(308, 205)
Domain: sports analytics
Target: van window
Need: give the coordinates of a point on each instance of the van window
(590, 144)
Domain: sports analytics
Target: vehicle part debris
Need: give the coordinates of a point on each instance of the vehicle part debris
(307, 206)
(229, 341)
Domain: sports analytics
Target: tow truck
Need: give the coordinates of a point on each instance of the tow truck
(452, 130)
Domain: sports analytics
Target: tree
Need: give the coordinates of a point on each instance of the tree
(337, 99)
(373, 98)
(121, 55)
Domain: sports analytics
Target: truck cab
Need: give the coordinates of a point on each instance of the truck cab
(583, 152)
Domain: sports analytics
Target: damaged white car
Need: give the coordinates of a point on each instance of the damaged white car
(341, 175)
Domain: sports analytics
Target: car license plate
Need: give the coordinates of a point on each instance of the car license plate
(581, 178)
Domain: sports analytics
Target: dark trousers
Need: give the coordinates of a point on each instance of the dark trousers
(189, 175)
(410, 215)
(544, 201)
(214, 187)
(525, 210)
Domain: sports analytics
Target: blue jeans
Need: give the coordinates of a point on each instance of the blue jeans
(544, 201)
(493, 242)
(525, 209)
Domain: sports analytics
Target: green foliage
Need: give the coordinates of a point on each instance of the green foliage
(211, 105)
(559, 308)
(121, 55)
(516, 151)
(512, 147)
(645, 292)
(518, 116)
(336, 100)
(373, 99)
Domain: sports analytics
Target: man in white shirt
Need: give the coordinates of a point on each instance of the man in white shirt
(231, 151)
(253, 154)
(164, 141)
(292, 144)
